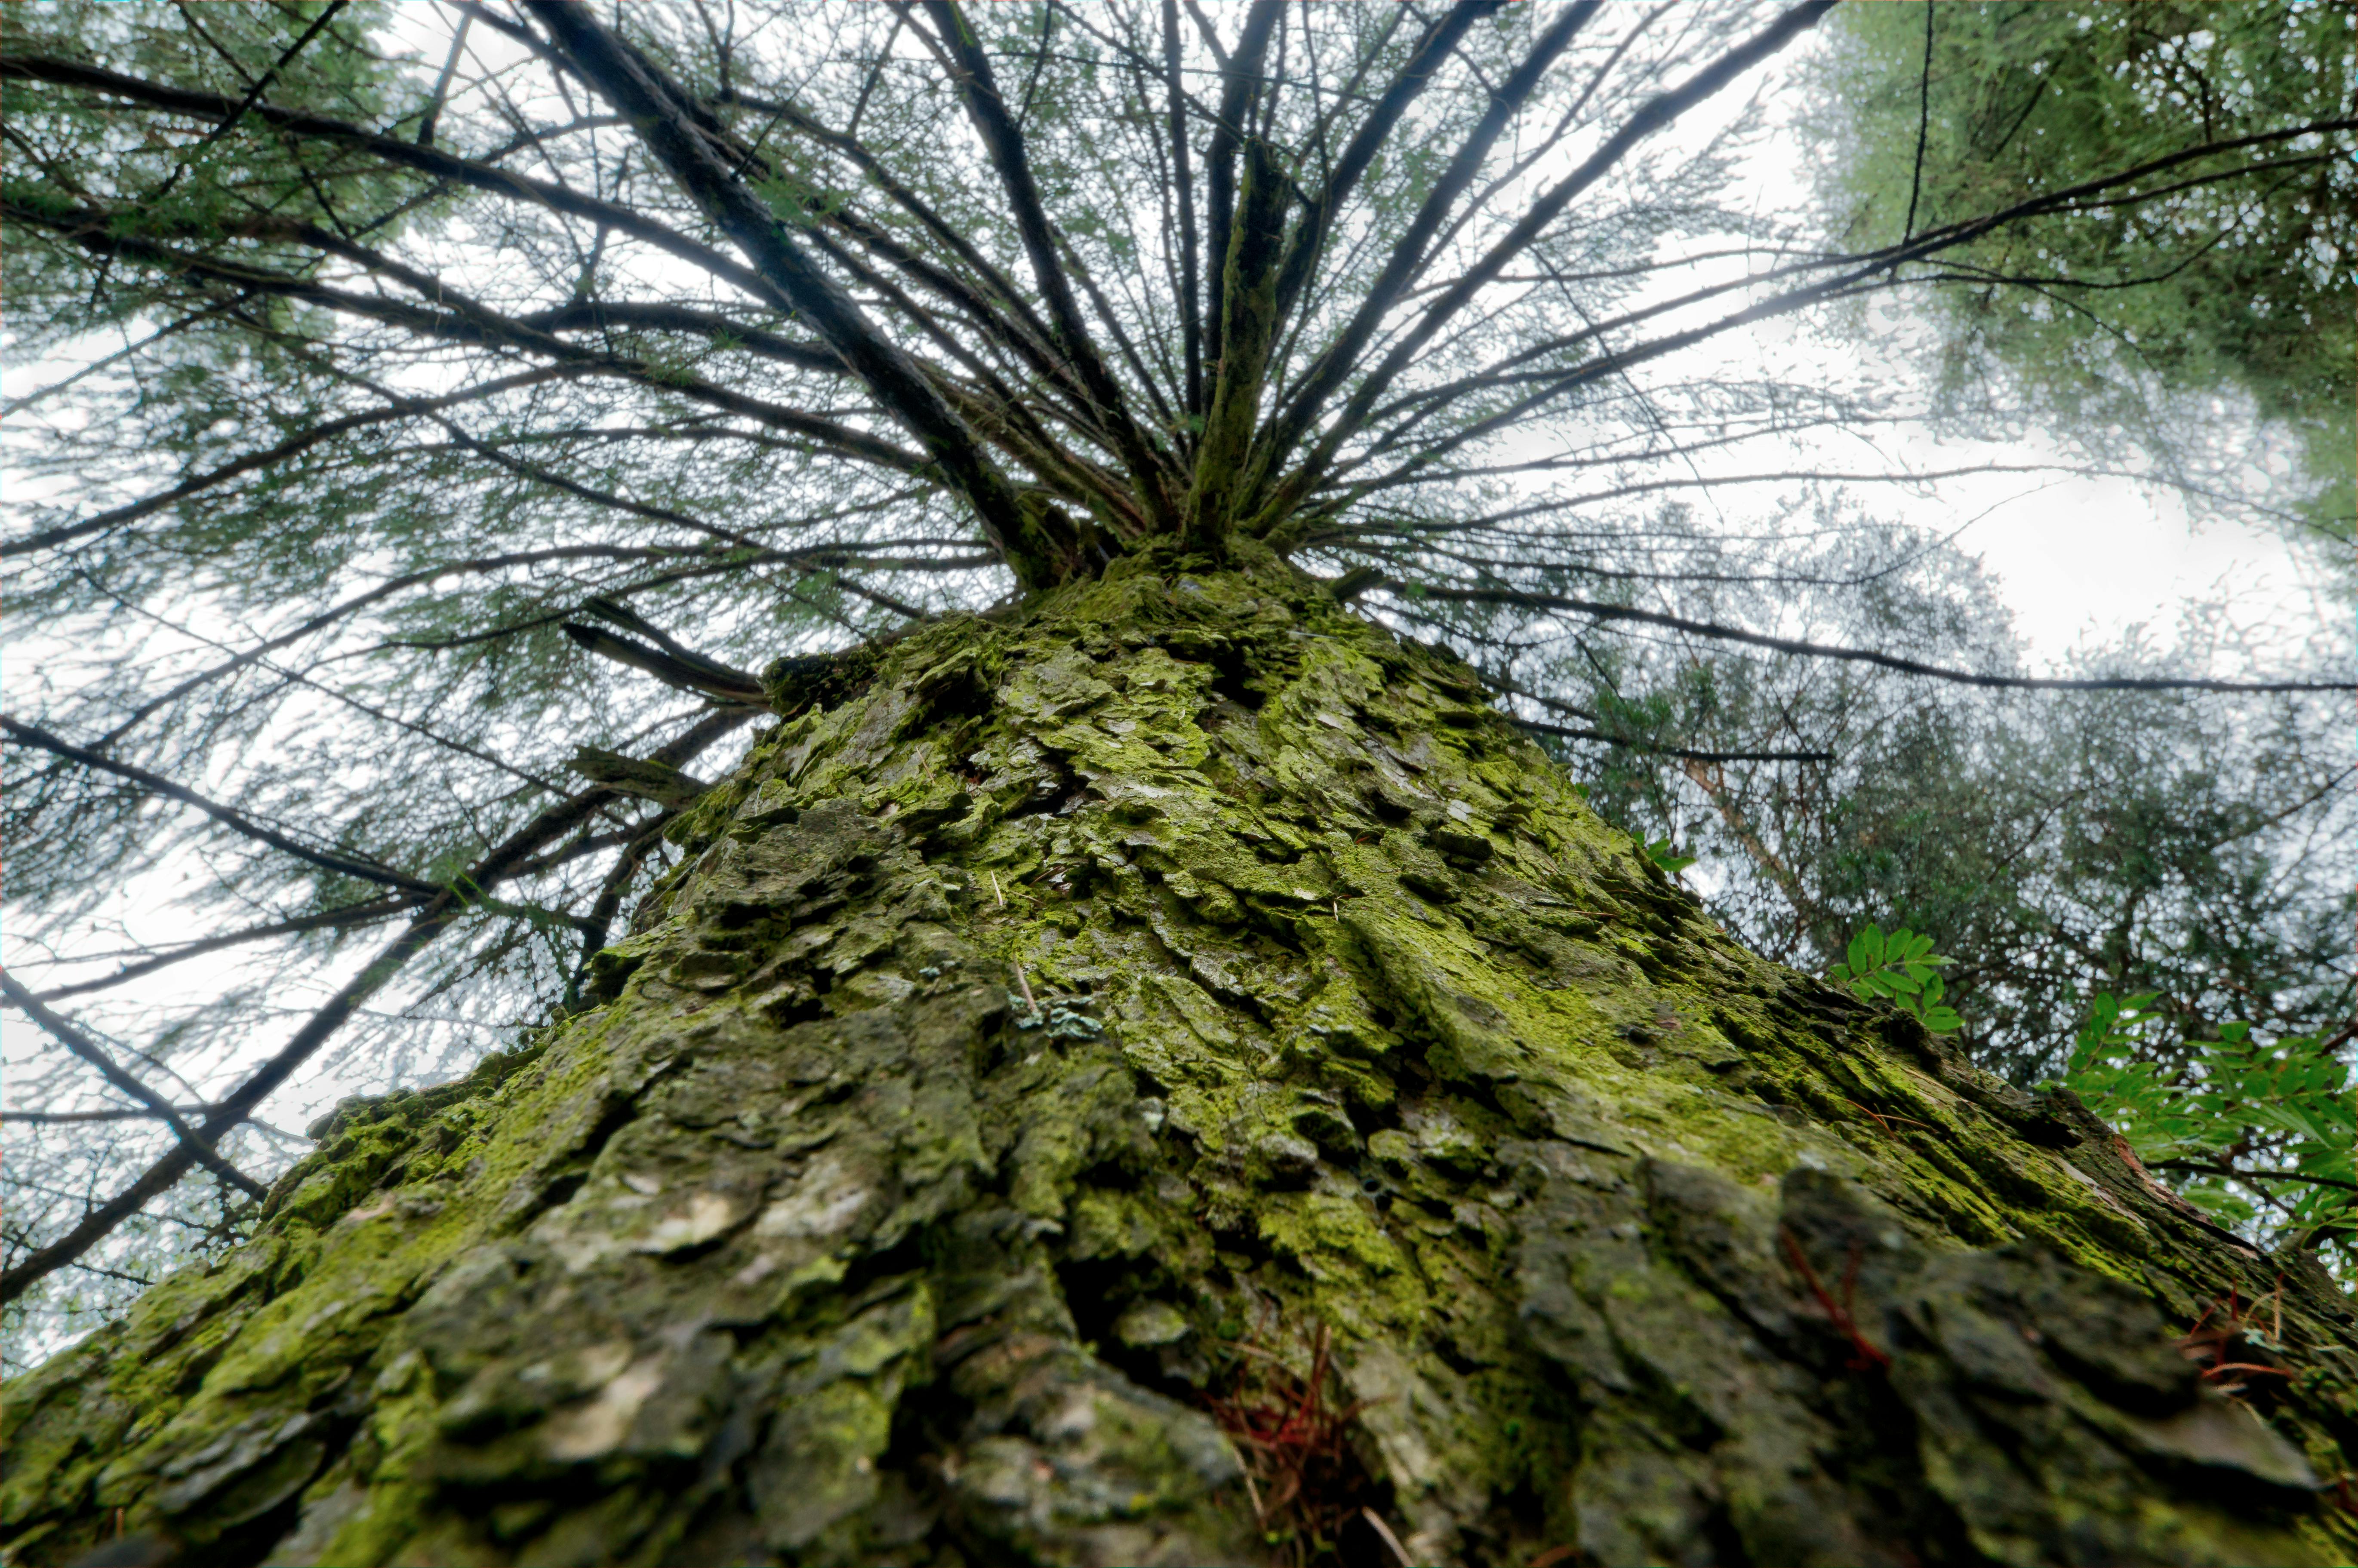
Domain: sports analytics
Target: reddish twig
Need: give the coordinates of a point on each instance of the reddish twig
(2208, 1343)
(1865, 1356)
(1885, 1122)
(1299, 1470)
(1881, 1125)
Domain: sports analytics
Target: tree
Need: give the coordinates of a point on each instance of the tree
(2126, 325)
(1149, 1066)
(2180, 843)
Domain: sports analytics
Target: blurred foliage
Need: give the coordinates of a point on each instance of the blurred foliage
(2022, 851)
(2126, 324)
(2260, 1136)
(2196, 846)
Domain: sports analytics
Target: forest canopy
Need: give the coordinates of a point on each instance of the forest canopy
(2133, 328)
(441, 433)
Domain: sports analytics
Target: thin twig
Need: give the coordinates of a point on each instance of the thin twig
(199, 1144)
(1376, 1519)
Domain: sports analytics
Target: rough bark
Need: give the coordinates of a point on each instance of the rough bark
(1177, 973)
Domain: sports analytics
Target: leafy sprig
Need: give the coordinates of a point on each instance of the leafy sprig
(1900, 968)
(2234, 1117)
(1659, 851)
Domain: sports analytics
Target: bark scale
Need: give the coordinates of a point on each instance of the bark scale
(1104, 1005)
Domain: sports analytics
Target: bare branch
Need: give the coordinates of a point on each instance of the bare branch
(1411, 592)
(736, 687)
(1653, 116)
(1191, 324)
(1309, 237)
(351, 915)
(1003, 140)
(666, 120)
(1241, 82)
(425, 159)
(430, 921)
(293, 447)
(236, 821)
(1540, 727)
(90, 1051)
(1340, 357)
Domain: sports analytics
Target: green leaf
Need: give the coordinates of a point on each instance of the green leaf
(1899, 967)
(1659, 851)
(2235, 1101)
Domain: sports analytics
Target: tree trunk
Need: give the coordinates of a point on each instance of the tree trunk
(1168, 1076)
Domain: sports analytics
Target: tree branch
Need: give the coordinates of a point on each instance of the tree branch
(2204, 1168)
(67, 1118)
(1412, 592)
(364, 913)
(1002, 140)
(469, 323)
(601, 315)
(1240, 81)
(237, 822)
(1191, 324)
(430, 921)
(90, 1051)
(1540, 727)
(1309, 237)
(1653, 116)
(294, 445)
(1340, 357)
(408, 155)
(1024, 333)
(665, 121)
(736, 687)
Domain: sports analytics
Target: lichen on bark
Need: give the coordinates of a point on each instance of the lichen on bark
(1174, 961)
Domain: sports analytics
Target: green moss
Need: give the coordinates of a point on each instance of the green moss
(812, 1236)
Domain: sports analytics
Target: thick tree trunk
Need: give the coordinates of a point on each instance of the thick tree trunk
(1172, 1007)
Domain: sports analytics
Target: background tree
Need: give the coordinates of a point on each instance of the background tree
(2126, 326)
(477, 364)
(2129, 841)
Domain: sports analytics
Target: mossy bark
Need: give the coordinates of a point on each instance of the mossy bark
(1175, 964)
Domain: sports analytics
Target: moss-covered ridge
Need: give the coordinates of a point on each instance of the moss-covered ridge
(1178, 959)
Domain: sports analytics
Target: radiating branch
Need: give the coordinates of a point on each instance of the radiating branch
(666, 120)
(1002, 138)
(1599, 610)
(235, 821)
(199, 1146)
